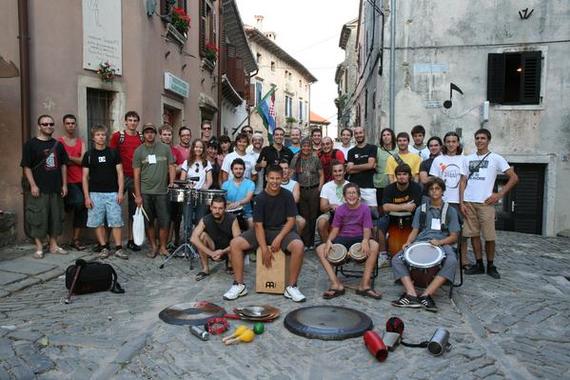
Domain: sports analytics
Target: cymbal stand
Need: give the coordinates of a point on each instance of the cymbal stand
(186, 249)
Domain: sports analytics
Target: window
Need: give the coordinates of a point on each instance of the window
(286, 74)
(300, 110)
(99, 104)
(514, 78)
(288, 106)
(258, 58)
(207, 24)
(272, 65)
(258, 92)
(300, 83)
(166, 5)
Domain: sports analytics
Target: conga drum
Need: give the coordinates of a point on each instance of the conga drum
(424, 261)
(399, 230)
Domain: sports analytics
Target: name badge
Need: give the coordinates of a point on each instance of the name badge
(436, 224)
(152, 158)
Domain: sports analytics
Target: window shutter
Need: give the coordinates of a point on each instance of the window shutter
(530, 84)
(496, 78)
(202, 38)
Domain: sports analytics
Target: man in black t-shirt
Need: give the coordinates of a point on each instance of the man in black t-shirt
(103, 183)
(273, 154)
(44, 161)
(213, 234)
(274, 212)
(361, 167)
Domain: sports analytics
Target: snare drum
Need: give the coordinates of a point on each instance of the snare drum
(337, 254)
(178, 195)
(424, 260)
(205, 196)
(398, 231)
(356, 254)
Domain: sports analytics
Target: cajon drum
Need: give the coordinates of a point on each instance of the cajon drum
(274, 279)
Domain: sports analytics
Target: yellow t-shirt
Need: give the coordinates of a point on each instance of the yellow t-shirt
(411, 159)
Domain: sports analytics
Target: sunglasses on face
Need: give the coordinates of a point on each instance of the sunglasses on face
(206, 128)
(47, 124)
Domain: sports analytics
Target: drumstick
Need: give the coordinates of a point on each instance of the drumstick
(142, 209)
(246, 337)
(237, 332)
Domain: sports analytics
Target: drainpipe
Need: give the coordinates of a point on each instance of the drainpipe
(24, 69)
(221, 57)
(392, 64)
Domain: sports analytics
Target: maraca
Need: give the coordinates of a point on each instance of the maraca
(237, 332)
(246, 337)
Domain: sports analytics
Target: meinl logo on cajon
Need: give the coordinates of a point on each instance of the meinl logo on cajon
(272, 280)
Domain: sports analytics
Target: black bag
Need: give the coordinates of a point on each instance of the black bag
(93, 277)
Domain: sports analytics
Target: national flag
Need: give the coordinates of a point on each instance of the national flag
(266, 109)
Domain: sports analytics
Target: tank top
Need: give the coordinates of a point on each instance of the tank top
(220, 233)
(74, 171)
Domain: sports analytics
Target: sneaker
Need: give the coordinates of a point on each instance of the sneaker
(407, 300)
(132, 246)
(98, 248)
(121, 254)
(492, 271)
(293, 293)
(475, 269)
(104, 253)
(236, 291)
(428, 303)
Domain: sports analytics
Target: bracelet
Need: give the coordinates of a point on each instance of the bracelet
(217, 325)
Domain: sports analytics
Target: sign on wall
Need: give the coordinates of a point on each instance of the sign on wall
(102, 35)
(176, 85)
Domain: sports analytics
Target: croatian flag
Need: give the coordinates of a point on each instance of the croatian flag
(266, 109)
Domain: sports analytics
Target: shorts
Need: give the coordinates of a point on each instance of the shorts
(459, 213)
(105, 207)
(480, 221)
(44, 215)
(157, 207)
(368, 196)
(325, 216)
(383, 223)
(270, 235)
(347, 241)
(449, 265)
(216, 244)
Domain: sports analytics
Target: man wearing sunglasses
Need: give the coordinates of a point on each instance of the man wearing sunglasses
(44, 161)
(206, 131)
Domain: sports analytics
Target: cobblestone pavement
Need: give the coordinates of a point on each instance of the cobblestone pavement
(513, 328)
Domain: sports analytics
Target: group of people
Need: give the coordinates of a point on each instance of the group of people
(285, 195)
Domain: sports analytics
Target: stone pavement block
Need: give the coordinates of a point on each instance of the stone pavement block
(26, 266)
(30, 336)
(31, 355)
(6, 349)
(18, 368)
(24, 283)
(10, 277)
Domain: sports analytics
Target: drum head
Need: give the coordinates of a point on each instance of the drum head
(355, 252)
(235, 210)
(337, 254)
(423, 255)
(191, 313)
(328, 322)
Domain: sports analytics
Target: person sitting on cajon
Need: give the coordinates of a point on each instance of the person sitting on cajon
(352, 223)
(437, 233)
(213, 234)
(274, 214)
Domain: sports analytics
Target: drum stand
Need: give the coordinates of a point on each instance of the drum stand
(186, 249)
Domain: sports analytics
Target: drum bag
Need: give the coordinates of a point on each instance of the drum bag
(93, 277)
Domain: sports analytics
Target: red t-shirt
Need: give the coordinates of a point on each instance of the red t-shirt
(326, 159)
(126, 149)
(74, 171)
(180, 153)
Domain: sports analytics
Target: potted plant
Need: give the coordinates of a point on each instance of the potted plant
(180, 20)
(106, 72)
(211, 52)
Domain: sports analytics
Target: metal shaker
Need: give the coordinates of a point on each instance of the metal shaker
(439, 342)
(200, 332)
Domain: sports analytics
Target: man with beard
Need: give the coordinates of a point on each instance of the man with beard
(239, 191)
(361, 167)
(274, 218)
(327, 155)
(273, 154)
(317, 139)
(331, 197)
(44, 161)
(295, 146)
(403, 156)
(213, 234)
(257, 146)
(182, 149)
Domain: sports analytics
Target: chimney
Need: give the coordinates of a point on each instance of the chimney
(271, 35)
(259, 20)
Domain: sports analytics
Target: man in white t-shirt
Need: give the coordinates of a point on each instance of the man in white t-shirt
(477, 199)
(345, 138)
(239, 152)
(448, 166)
(418, 135)
(331, 197)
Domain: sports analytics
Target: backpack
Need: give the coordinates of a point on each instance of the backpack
(122, 137)
(91, 277)
(444, 216)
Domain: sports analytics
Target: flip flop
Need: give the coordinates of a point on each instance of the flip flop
(152, 254)
(201, 275)
(39, 255)
(333, 293)
(370, 293)
(76, 244)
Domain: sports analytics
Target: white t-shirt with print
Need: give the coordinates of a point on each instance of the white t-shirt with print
(197, 169)
(480, 185)
(330, 193)
(247, 158)
(449, 169)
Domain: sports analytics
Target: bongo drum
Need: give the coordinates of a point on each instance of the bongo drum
(398, 231)
(356, 254)
(337, 254)
(178, 195)
(424, 260)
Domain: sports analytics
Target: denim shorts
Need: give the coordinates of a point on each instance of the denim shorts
(105, 207)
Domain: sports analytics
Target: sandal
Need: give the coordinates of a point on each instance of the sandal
(201, 275)
(371, 293)
(39, 255)
(59, 251)
(333, 293)
(152, 254)
(75, 244)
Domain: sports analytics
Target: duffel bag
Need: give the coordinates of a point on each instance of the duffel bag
(93, 277)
